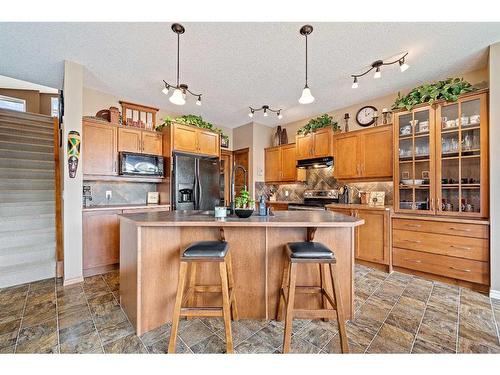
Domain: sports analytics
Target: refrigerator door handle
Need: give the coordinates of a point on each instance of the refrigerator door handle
(197, 189)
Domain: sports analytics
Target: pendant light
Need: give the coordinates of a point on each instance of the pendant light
(180, 90)
(306, 97)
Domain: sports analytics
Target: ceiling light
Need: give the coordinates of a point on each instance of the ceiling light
(402, 65)
(377, 65)
(306, 97)
(180, 90)
(266, 110)
(355, 83)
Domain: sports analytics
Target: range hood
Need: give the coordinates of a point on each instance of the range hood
(315, 162)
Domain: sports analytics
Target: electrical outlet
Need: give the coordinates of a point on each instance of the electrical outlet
(286, 193)
(109, 194)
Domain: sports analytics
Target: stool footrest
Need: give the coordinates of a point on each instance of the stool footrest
(201, 311)
(314, 314)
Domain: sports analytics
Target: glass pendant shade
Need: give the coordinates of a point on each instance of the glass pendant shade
(306, 97)
(177, 98)
(403, 66)
(165, 91)
(377, 74)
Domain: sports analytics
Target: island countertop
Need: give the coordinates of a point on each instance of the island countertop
(278, 219)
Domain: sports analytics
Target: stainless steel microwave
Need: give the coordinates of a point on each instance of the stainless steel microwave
(132, 164)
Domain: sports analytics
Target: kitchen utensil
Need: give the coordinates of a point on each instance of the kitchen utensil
(364, 196)
(474, 119)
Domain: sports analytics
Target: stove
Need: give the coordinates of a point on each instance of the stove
(315, 200)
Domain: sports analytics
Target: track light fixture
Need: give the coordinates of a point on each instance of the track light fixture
(266, 110)
(377, 65)
(180, 90)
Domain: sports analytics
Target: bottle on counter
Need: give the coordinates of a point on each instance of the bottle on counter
(262, 206)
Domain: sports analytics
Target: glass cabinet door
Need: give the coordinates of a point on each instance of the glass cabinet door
(461, 132)
(414, 168)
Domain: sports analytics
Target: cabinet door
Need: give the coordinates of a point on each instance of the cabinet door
(129, 140)
(101, 238)
(288, 163)
(99, 149)
(376, 148)
(208, 143)
(304, 144)
(372, 238)
(344, 211)
(185, 138)
(347, 157)
(322, 143)
(151, 143)
(272, 164)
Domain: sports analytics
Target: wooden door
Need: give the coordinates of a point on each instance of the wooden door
(99, 153)
(347, 148)
(272, 164)
(376, 153)
(129, 140)
(208, 143)
(304, 146)
(288, 163)
(185, 138)
(152, 143)
(372, 238)
(101, 238)
(322, 143)
(241, 157)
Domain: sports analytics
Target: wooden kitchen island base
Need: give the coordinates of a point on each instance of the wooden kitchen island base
(151, 245)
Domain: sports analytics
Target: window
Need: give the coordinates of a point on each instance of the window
(54, 107)
(14, 104)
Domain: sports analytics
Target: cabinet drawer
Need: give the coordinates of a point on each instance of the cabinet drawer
(457, 268)
(456, 229)
(456, 246)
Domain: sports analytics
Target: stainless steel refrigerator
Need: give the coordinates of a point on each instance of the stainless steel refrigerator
(195, 184)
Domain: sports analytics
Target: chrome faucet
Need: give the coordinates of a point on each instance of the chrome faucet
(233, 174)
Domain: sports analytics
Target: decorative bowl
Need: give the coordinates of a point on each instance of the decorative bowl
(243, 213)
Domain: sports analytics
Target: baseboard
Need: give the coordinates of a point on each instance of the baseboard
(75, 280)
(495, 294)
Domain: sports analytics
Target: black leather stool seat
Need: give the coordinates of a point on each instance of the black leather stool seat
(309, 250)
(206, 249)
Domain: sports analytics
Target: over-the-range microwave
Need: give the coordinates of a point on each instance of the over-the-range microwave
(132, 164)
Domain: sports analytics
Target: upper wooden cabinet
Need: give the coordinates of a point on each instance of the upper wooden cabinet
(99, 148)
(139, 141)
(187, 138)
(281, 164)
(314, 145)
(364, 154)
(441, 154)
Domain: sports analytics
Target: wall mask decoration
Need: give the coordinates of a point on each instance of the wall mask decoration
(73, 152)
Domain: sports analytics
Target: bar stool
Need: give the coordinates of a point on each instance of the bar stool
(310, 252)
(201, 252)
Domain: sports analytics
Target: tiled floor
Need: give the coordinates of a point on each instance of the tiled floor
(395, 313)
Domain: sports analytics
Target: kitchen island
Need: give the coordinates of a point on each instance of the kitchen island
(151, 245)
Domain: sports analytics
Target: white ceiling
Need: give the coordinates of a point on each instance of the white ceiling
(235, 65)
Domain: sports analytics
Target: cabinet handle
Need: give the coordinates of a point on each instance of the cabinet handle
(460, 247)
(459, 229)
(460, 269)
(115, 164)
(413, 241)
(413, 260)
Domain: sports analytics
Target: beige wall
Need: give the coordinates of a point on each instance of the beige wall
(32, 98)
(262, 138)
(46, 103)
(243, 138)
(494, 77)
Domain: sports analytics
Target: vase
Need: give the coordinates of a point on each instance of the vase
(277, 136)
(283, 137)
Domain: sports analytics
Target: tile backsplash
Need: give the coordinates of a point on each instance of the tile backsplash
(319, 179)
(121, 192)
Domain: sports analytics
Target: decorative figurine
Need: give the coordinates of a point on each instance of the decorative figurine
(346, 119)
(73, 152)
(375, 118)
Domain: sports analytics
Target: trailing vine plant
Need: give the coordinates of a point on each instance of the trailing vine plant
(191, 120)
(320, 122)
(449, 90)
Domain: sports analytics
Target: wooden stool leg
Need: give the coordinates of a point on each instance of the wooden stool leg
(284, 284)
(344, 343)
(226, 310)
(177, 307)
(192, 283)
(289, 308)
(322, 275)
(234, 309)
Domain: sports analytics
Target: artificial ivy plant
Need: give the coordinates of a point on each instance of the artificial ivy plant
(320, 122)
(449, 90)
(191, 120)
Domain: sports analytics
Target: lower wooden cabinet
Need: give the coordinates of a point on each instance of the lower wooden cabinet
(448, 248)
(372, 239)
(277, 206)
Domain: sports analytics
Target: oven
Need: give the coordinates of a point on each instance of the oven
(315, 200)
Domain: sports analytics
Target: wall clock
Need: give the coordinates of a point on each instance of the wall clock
(365, 116)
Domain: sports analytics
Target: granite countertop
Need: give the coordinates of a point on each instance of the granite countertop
(278, 219)
(359, 206)
(124, 207)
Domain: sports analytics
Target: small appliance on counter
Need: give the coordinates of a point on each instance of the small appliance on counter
(349, 195)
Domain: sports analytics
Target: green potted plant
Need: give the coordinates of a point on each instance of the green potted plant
(244, 206)
(323, 121)
(193, 120)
